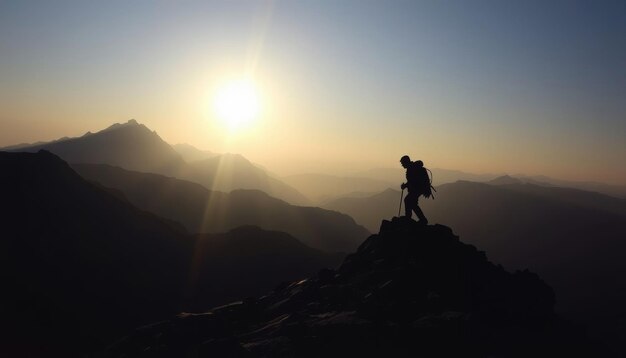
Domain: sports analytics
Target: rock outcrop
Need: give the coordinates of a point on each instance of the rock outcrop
(410, 290)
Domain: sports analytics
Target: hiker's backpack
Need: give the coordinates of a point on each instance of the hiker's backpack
(423, 181)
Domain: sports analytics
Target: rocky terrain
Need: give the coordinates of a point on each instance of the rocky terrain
(409, 290)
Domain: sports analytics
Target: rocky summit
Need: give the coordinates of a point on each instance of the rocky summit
(410, 290)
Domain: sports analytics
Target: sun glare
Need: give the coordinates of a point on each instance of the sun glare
(237, 104)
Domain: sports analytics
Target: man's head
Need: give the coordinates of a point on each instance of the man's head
(405, 161)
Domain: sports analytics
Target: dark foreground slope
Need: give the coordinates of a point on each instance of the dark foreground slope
(79, 265)
(247, 261)
(204, 211)
(82, 267)
(408, 291)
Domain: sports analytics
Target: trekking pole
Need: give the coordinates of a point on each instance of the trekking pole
(401, 197)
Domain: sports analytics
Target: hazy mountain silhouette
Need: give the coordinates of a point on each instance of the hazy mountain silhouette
(322, 187)
(505, 180)
(542, 180)
(25, 145)
(572, 238)
(201, 210)
(608, 189)
(368, 210)
(135, 147)
(82, 266)
(394, 176)
(409, 291)
(191, 153)
(130, 145)
(582, 198)
(227, 172)
(325, 189)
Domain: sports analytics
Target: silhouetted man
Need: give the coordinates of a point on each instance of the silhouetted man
(415, 183)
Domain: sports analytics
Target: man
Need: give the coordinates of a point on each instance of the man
(415, 183)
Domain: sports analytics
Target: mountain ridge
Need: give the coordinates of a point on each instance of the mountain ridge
(65, 243)
(410, 290)
(201, 210)
(84, 266)
(134, 146)
(128, 145)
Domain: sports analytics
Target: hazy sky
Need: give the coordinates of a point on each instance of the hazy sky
(534, 87)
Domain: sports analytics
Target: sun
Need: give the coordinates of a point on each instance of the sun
(237, 104)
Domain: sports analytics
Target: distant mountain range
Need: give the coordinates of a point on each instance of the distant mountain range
(602, 188)
(202, 211)
(608, 189)
(130, 145)
(582, 198)
(191, 153)
(135, 147)
(322, 187)
(228, 172)
(394, 176)
(83, 266)
(368, 210)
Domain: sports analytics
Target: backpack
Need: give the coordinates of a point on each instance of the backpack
(424, 181)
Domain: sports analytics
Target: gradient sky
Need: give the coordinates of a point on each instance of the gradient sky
(533, 87)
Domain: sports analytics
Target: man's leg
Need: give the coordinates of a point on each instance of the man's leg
(409, 205)
(420, 214)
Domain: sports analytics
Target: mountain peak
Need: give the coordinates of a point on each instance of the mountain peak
(130, 124)
(234, 157)
(410, 290)
(389, 191)
(129, 145)
(505, 180)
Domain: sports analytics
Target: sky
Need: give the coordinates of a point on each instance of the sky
(531, 87)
